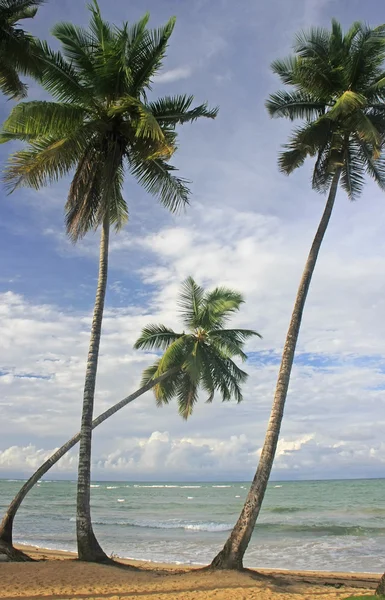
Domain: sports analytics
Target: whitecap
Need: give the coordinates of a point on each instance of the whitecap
(189, 487)
(221, 486)
(121, 500)
(211, 527)
(237, 496)
(112, 487)
(94, 486)
(190, 497)
(277, 486)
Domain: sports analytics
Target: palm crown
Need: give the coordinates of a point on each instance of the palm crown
(18, 53)
(101, 123)
(202, 357)
(339, 90)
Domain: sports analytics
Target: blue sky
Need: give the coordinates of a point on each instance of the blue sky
(248, 227)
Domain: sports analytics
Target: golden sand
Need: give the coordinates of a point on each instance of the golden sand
(58, 576)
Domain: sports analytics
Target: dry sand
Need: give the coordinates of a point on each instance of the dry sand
(60, 577)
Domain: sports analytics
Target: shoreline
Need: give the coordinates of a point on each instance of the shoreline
(57, 554)
(57, 575)
(356, 579)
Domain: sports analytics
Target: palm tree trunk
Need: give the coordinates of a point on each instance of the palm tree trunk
(6, 526)
(88, 546)
(380, 589)
(231, 556)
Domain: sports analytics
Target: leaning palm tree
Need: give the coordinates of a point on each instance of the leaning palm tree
(338, 89)
(102, 125)
(18, 52)
(202, 357)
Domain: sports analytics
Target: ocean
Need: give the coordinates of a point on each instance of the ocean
(308, 525)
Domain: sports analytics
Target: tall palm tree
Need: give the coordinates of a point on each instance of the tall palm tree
(102, 125)
(202, 357)
(18, 52)
(338, 89)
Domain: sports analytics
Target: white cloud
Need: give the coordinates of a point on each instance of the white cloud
(174, 75)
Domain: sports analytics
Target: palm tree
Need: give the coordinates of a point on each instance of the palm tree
(201, 357)
(102, 125)
(18, 53)
(338, 89)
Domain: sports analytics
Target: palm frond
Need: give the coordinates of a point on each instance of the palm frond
(10, 83)
(62, 81)
(176, 353)
(352, 175)
(291, 159)
(218, 306)
(156, 337)
(346, 103)
(151, 51)
(156, 177)
(190, 302)
(231, 341)
(286, 69)
(44, 161)
(175, 109)
(78, 46)
(187, 395)
(294, 105)
(323, 172)
(375, 167)
(41, 118)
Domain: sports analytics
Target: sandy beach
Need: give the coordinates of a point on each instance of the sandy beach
(58, 576)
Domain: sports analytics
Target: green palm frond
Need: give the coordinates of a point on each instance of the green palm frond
(40, 119)
(294, 105)
(187, 395)
(286, 69)
(78, 46)
(375, 168)
(291, 159)
(62, 80)
(45, 161)
(175, 109)
(323, 171)
(151, 50)
(156, 177)
(175, 355)
(156, 337)
(218, 306)
(352, 175)
(231, 341)
(102, 31)
(190, 302)
(346, 103)
(10, 82)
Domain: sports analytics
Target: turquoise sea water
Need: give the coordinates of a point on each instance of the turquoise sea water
(320, 525)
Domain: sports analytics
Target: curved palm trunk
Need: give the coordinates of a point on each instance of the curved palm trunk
(88, 546)
(380, 589)
(231, 556)
(6, 526)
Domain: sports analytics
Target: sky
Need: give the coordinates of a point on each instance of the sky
(248, 227)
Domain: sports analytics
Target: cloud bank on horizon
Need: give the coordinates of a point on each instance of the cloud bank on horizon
(248, 227)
